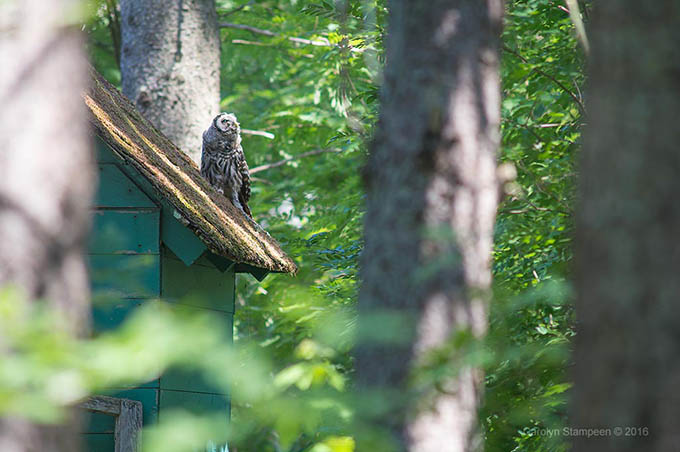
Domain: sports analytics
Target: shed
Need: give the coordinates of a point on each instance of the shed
(160, 231)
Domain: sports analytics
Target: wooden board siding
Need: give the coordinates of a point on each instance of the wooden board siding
(195, 402)
(126, 276)
(131, 265)
(98, 442)
(117, 190)
(124, 248)
(125, 232)
(125, 269)
(175, 235)
(200, 285)
(110, 312)
(190, 381)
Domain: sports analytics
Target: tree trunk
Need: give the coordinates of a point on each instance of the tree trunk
(627, 353)
(170, 65)
(46, 179)
(432, 197)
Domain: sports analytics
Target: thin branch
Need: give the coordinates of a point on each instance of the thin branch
(257, 169)
(259, 44)
(578, 89)
(271, 34)
(546, 209)
(253, 30)
(550, 77)
(514, 212)
(259, 133)
(249, 43)
(532, 207)
(528, 129)
(261, 181)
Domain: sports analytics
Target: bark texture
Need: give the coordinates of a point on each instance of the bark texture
(627, 350)
(170, 65)
(46, 179)
(432, 198)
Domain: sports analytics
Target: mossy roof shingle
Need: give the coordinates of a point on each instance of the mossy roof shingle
(224, 229)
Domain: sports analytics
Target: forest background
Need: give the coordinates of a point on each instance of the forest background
(317, 107)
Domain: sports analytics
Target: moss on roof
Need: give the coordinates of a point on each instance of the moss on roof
(223, 228)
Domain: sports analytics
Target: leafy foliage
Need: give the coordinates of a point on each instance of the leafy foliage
(311, 98)
(532, 318)
(294, 335)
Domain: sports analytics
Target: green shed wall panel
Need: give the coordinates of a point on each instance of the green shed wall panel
(104, 153)
(130, 268)
(178, 237)
(126, 276)
(117, 190)
(187, 380)
(195, 402)
(200, 285)
(125, 232)
(99, 423)
(99, 442)
(111, 313)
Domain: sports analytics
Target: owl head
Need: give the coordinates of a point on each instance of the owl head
(227, 124)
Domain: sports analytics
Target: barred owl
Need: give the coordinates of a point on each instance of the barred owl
(223, 162)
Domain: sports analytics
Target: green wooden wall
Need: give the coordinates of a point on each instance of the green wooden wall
(130, 266)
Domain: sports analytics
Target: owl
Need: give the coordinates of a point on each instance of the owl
(223, 162)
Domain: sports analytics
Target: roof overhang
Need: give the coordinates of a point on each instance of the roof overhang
(195, 219)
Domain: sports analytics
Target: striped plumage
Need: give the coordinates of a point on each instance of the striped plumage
(223, 162)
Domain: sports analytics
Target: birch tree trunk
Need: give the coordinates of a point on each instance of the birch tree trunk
(627, 352)
(170, 65)
(432, 198)
(46, 179)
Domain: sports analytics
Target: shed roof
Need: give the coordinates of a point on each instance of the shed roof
(223, 228)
